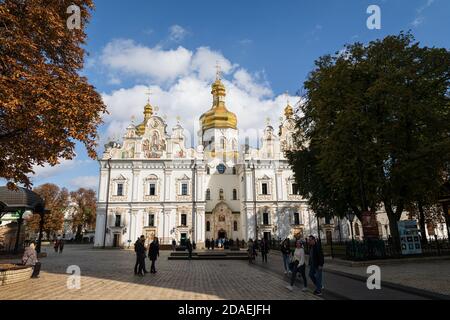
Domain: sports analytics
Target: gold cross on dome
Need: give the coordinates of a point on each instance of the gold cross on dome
(148, 93)
(286, 94)
(132, 119)
(178, 119)
(218, 71)
(156, 109)
(268, 121)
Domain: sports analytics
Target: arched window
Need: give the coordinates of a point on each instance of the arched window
(208, 226)
(235, 226)
(208, 194)
(296, 218)
(265, 218)
(223, 143)
(221, 197)
(234, 194)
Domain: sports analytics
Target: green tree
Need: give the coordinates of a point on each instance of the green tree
(375, 126)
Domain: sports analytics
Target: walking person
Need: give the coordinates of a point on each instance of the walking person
(56, 245)
(61, 245)
(189, 248)
(153, 254)
(251, 250)
(298, 265)
(29, 258)
(264, 247)
(286, 252)
(316, 262)
(140, 256)
(174, 245)
(212, 243)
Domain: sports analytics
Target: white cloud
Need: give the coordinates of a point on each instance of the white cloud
(129, 58)
(417, 21)
(87, 182)
(177, 33)
(188, 94)
(48, 171)
(420, 18)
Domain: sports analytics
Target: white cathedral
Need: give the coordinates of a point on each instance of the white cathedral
(152, 184)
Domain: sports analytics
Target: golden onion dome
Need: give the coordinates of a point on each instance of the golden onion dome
(148, 112)
(288, 111)
(218, 116)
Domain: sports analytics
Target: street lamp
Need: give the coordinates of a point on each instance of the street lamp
(107, 201)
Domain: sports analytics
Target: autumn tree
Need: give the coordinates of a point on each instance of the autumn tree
(84, 211)
(56, 200)
(45, 105)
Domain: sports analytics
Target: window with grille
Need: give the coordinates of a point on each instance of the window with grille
(234, 194)
(184, 189)
(208, 194)
(183, 219)
(295, 189)
(208, 226)
(235, 224)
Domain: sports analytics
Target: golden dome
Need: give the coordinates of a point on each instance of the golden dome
(288, 111)
(218, 116)
(148, 112)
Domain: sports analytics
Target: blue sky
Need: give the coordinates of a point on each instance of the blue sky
(264, 48)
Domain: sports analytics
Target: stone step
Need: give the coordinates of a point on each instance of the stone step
(211, 257)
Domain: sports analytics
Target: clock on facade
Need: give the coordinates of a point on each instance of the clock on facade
(221, 168)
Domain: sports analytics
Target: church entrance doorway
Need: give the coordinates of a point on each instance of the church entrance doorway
(116, 240)
(183, 239)
(222, 234)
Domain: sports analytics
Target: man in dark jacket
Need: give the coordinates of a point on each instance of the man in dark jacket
(140, 255)
(264, 247)
(189, 248)
(316, 261)
(153, 253)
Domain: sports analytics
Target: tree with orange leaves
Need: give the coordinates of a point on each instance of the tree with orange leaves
(45, 105)
(57, 201)
(84, 215)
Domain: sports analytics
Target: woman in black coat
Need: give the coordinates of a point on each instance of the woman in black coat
(153, 253)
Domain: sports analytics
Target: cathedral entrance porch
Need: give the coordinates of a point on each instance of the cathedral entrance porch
(222, 234)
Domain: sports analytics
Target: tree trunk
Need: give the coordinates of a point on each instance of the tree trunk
(422, 223)
(393, 219)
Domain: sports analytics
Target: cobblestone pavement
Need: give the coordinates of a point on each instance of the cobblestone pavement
(427, 275)
(108, 274)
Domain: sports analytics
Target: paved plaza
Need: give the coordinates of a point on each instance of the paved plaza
(108, 274)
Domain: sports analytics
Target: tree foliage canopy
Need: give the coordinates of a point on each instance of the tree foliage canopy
(57, 201)
(45, 105)
(374, 128)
